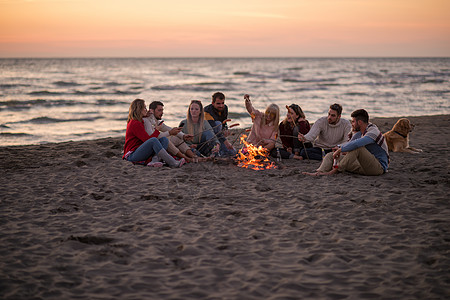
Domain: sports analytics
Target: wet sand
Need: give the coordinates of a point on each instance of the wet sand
(78, 222)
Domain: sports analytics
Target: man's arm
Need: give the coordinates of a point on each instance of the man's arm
(313, 133)
(357, 143)
(165, 130)
(149, 128)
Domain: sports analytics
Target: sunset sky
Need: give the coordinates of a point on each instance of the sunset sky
(231, 28)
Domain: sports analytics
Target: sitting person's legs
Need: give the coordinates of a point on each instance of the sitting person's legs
(217, 127)
(224, 151)
(360, 161)
(298, 146)
(149, 148)
(182, 146)
(179, 143)
(206, 143)
(327, 163)
(172, 149)
(284, 154)
(314, 153)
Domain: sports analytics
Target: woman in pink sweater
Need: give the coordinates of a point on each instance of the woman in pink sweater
(265, 125)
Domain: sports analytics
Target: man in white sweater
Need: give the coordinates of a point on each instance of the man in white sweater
(326, 134)
(177, 138)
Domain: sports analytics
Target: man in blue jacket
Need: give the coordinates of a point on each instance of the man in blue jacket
(366, 153)
(216, 113)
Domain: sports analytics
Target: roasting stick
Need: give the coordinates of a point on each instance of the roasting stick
(239, 135)
(293, 121)
(225, 121)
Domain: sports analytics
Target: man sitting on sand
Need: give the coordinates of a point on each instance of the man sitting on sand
(325, 134)
(177, 138)
(366, 153)
(216, 113)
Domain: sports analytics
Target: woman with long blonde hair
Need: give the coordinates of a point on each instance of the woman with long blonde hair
(139, 146)
(205, 142)
(265, 125)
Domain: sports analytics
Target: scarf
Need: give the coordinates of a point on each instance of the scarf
(375, 134)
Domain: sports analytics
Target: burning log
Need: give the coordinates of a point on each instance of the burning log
(252, 157)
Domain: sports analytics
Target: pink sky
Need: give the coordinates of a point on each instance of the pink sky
(232, 28)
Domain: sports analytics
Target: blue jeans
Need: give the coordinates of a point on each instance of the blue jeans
(149, 148)
(206, 143)
(224, 151)
(314, 153)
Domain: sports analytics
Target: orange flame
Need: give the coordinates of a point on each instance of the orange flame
(252, 157)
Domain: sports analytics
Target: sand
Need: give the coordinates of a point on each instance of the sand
(78, 222)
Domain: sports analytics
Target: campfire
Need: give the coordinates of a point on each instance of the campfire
(252, 157)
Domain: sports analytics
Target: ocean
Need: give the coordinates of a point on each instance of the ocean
(57, 100)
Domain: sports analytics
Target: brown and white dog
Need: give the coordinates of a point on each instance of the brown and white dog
(397, 139)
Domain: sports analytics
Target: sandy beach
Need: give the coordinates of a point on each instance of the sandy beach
(78, 222)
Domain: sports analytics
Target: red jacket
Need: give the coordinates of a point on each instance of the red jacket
(136, 136)
(286, 129)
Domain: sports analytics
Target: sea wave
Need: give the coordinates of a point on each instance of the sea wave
(432, 81)
(195, 75)
(82, 93)
(242, 73)
(46, 93)
(13, 85)
(257, 75)
(312, 88)
(48, 120)
(309, 80)
(113, 83)
(117, 92)
(12, 134)
(356, 94)
(197, 87)
(16, 105)
(66, 83)
(111, 102)
(28, 104)
(438, 92)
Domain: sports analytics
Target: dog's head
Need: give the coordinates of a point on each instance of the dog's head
(403, 126)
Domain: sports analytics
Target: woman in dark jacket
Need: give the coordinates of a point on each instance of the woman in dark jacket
(294, 123)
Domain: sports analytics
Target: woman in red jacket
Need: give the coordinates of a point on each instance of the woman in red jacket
(289, 128)
(139, 146)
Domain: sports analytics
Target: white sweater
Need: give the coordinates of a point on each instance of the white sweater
(327, 136)
(150, 125)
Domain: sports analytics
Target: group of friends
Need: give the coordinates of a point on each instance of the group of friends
(357, 146)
